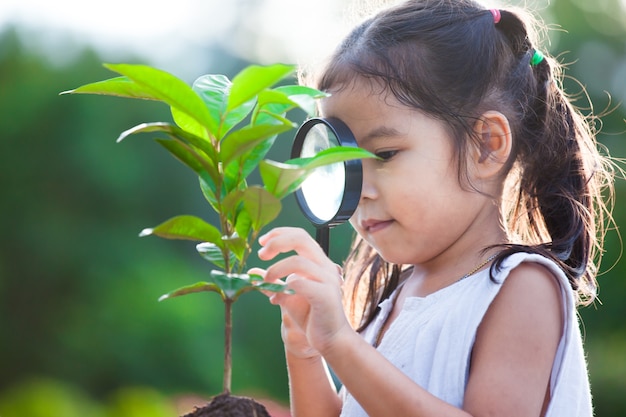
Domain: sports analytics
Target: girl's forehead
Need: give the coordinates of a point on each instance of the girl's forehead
(359, 84)
(374, 114)
(359, 97)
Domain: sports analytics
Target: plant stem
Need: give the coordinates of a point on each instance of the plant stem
(228, 331)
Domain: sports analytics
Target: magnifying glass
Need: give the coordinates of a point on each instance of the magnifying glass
(330, 194)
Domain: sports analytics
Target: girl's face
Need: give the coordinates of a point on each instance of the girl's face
(412, 207)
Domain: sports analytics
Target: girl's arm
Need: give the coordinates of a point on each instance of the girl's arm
(311, 389)
(516, 345)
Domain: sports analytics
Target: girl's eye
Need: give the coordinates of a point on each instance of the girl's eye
(386, 155)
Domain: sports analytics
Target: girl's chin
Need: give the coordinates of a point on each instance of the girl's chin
(389, 255)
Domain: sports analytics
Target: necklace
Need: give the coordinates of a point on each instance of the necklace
(474, 270)
(478, 267)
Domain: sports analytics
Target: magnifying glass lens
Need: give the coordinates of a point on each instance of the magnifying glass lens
(324, 187)
(330, 194)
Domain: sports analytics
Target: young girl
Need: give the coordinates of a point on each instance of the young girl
(478, 227)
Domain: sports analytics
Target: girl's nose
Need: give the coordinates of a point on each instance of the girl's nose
(368, 189)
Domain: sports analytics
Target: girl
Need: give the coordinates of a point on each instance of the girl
(478, 227)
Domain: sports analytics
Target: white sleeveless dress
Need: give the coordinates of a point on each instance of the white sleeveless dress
(431, 341)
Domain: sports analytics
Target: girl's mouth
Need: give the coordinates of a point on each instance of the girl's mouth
(372, 226)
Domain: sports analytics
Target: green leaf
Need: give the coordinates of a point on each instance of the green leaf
(271, 108)
(194, 288)
(305, 97)
(214, 254)
(236, 245)
(233, 181)
(243, 224)
(275, 96)
(232, 285)
(186, 227)
(232, 206)
(229, 286)
(187, 156)
(118, 87)
(238, 170)
(261, 206)
(274, 104)
(301, 90)
(331, 156)
(209, 191)
(281, 179)
(125, 87)
(173, 91)
(273, 287)
(256, 278)
(214, 90)
(231, 202)
(201, 150)
(244, 140)
(270, 286)
(189, 124)
(254, 79)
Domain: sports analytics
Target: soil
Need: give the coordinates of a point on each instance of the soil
(226, 405)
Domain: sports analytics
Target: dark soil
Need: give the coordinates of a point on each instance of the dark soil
(226, 405)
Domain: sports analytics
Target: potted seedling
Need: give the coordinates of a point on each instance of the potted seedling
(222, 130)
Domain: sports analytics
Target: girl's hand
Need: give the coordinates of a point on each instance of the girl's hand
(296, 343)
(316, 310)
(293, 337)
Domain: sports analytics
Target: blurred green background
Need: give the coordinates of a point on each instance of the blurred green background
(81, 331)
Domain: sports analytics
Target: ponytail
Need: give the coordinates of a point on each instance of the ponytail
(559, 208)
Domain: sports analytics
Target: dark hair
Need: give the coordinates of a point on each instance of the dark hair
(450, 60)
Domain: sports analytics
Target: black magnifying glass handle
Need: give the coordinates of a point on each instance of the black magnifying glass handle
(322, 237)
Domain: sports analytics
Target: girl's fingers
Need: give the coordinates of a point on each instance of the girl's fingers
(287, 239)
(296, 309)
(256, 271)
(312, 290)
(310, 260)
(295, 339)
(293, 265)
(270, 294)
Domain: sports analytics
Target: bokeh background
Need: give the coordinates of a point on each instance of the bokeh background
(81, 331)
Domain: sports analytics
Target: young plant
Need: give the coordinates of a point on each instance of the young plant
(222, 131)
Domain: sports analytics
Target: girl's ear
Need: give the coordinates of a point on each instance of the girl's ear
(494, 137)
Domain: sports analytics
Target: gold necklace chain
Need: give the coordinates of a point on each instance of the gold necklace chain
(477, 268)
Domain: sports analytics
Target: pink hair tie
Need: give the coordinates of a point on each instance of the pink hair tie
(496, 15)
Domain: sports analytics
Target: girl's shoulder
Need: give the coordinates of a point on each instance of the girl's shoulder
(515, 260)
(533, 291)
(534, 278)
